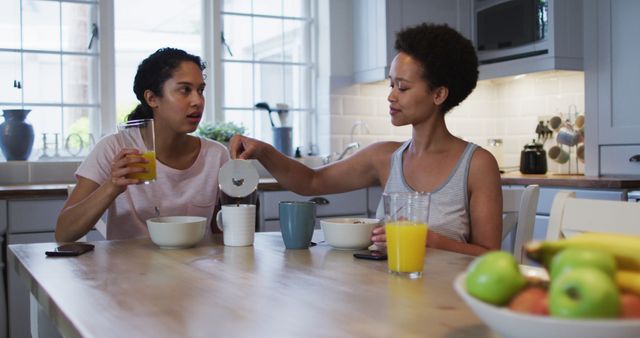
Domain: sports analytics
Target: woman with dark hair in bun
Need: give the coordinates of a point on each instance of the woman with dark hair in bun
(435, 69)
(169, 85)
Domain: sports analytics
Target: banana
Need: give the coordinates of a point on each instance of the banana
(625, 248)
(628, 281)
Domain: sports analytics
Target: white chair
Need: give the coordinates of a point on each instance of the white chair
(101, 226)
(570, 215)
(519, 214)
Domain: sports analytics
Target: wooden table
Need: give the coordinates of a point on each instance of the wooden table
(134, 289)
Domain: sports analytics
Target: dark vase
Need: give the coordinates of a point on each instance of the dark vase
(16, 135)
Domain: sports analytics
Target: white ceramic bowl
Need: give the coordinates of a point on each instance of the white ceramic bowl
(348, 233)
(510, 324)
(175, 232)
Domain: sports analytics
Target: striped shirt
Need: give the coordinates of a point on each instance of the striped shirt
(449, 209)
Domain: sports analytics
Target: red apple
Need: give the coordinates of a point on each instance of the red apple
(629, 305)
(532, 300)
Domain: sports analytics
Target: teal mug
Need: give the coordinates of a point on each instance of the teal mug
(297, 221)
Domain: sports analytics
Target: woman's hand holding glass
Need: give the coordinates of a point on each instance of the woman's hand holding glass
(122, 166)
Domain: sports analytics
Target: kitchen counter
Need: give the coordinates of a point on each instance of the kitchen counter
(270, 184)
(262, 290)
(572, 181)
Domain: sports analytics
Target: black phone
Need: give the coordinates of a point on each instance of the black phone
(371, 254)
(72, 249)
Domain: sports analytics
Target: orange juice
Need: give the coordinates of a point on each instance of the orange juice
(150, 175)
(406, 246)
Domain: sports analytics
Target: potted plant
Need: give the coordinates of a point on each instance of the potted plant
(221, 132)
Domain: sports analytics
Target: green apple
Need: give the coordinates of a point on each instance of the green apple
(584, 292)
(494, 278)
(572, 258)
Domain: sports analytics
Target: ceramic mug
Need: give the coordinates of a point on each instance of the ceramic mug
(558, 154)
(568, 136)
(297, 221)
(555, 122)
(238, 224)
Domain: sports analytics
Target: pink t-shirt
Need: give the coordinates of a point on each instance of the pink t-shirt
(191, 192)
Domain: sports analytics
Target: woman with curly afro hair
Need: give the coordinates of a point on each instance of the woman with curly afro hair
(434, 70)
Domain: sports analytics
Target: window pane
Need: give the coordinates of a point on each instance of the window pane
(47, 128)
(269, 84)
(78, 140)
(296, 48)
(242, 117)
(296, 8)
(78, 79)
(238, 84)
(9, 72)
(237, 6)
(166, 23)
(267, 7)
(10, 24)
(296, 82)
(76, 27)
(237, 36)
(268, 43)
(41, 78)
(41, 25)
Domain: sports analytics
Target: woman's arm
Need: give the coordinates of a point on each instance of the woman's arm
(485, 204)
(89, 200)
(359, 170)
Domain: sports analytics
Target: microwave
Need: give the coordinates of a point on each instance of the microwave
(510, 29)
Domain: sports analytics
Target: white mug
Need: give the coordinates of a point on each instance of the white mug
(238, 224)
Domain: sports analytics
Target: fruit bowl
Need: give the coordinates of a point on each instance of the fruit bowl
(510, 324)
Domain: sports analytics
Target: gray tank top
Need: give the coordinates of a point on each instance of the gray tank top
(449, 210)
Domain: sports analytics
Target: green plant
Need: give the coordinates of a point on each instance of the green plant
(221, 132)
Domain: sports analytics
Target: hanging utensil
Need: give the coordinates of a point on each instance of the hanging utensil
(264, 105)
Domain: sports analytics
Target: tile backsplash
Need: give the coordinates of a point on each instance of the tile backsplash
(505, 108)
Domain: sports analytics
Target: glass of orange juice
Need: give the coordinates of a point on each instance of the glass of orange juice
(139, 134)
(406, 217)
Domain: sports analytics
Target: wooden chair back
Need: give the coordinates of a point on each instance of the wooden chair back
(519, 215)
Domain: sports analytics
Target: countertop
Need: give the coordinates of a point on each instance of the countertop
(131, 288)
(270, 184)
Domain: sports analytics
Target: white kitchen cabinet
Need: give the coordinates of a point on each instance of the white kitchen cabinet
(351, 204)
(562, 49)
(612, 69)
(375, 23)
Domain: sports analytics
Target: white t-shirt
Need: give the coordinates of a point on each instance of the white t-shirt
(192, 192)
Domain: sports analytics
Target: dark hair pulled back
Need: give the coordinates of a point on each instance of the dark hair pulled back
(153, 72)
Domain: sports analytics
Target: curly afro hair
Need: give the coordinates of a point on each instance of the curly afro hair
(448, 59)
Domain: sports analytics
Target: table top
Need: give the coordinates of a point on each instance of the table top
(132, 288)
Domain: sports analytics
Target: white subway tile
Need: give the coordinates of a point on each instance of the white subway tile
(336, 105)
(358, 106)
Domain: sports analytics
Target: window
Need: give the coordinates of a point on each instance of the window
(266, 57)
(166, 23)
(58, 56)
(49, 64)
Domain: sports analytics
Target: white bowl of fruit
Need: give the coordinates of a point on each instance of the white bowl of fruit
(590, 288)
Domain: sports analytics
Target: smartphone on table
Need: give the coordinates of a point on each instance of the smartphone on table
(71, 249)
(375, 255)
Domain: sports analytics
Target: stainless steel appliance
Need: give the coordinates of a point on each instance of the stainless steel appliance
(510, 29)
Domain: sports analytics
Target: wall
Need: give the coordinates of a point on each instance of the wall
(506, 108)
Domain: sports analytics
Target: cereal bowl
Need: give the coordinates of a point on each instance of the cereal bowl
(174, 232)
(511, 324)
(348, 233)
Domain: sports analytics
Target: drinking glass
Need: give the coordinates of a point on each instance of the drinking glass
(406, 218)
(139, 134)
